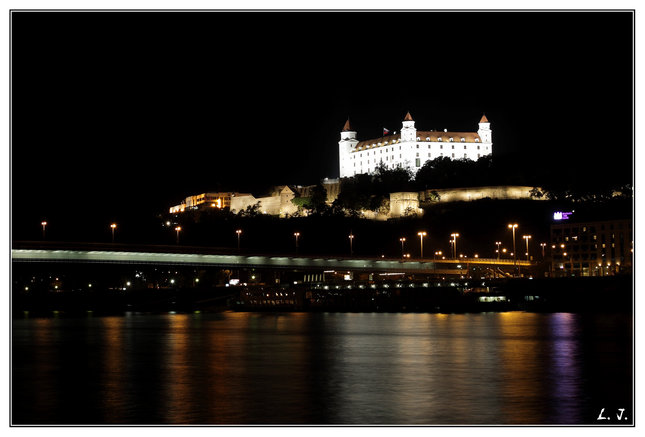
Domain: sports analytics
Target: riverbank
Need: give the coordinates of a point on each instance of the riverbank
(608, 294)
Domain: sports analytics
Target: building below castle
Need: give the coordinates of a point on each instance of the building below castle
(277, 202)
(410, 148)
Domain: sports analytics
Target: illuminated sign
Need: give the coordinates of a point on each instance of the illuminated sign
(559, 215)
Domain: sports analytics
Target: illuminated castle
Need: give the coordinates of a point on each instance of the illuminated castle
(410, 148)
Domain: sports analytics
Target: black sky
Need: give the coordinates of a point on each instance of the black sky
(134, 111)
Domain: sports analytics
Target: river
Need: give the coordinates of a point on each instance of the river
(323, 368)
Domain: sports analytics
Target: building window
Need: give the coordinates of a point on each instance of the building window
(451, 139)
(417, 146)
(418, 139)
(439, 139)
(453, 147)
(418, 162)
(464, 147)
(427, 138)
(441, 146)
(428, 155)
(476, 140)
(453, 155)
(478, 147)
(463, 140)
(417, 154)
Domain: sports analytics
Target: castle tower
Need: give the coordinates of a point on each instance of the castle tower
(346, 144)
(484, 130)
(408, 132)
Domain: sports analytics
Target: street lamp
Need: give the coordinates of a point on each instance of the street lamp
(44, 225)
(351, 247)
(402, 240)
(527, 238)
(513, 227)
(499, 243)
(437, 253)
(238, 232)
(454, 243)
(113, 226)
(178, 229)
(296, 234)
(543, 246)
(421, 235)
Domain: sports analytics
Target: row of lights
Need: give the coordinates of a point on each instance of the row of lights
(421, 234)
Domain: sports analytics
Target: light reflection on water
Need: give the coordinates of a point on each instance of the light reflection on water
(338, 368)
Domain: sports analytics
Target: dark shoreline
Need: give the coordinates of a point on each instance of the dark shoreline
(607, 294)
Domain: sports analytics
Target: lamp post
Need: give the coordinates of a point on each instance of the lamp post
(238, 232)
(44, 225)
(402, 240)
(113, 226)
(454, 243)
(351, 241)
(513, 227)
(527, 238)
(178, 229)
(421, 235)
(437, 253)
(296, 234)
(498, 243)
(543, 246)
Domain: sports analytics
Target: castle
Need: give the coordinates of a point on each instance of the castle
(410, 148)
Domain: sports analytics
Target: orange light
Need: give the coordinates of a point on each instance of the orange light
(113, 225)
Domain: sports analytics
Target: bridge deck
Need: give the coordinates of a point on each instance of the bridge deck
(154, 256)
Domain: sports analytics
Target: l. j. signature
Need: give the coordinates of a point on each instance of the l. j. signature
(619, 416)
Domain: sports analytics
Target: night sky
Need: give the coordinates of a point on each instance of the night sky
(117, 112)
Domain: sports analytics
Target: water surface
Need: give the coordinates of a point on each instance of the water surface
(314, 368)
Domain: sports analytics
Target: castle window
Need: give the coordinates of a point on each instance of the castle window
(429, 155)
(463, 140)
(417, 154)
(453, 147)
(418, 162)
(427, 138)
(418, 139)
(464, 147)
(451, 139)
(417, 146)
(478, 147)
(441, 147)
(439, 139)
(453, 155)
(476, 140)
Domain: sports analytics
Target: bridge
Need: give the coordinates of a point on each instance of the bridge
(229, 258)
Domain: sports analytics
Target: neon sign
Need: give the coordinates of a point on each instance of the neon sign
(559, 215)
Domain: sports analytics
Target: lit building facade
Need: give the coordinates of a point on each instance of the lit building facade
(204, 200)
(410, 148)
(597, 248)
